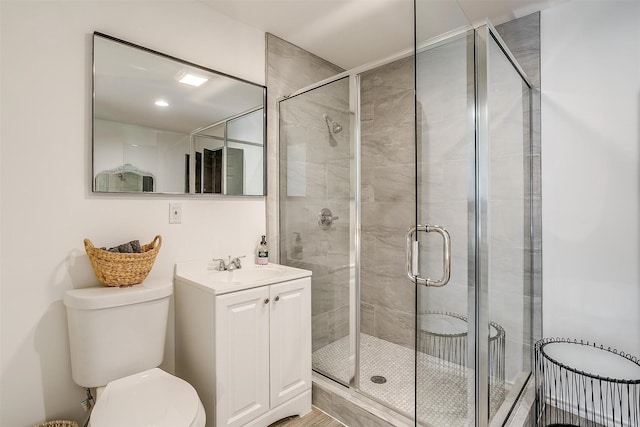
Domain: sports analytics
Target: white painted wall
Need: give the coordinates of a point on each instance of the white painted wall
(47, 206)
(591, 172)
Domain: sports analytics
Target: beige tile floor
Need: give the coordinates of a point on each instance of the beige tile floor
(315, 418)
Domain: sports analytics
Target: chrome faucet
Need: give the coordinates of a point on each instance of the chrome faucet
(235, 263)
(231, 264)
(221, 266)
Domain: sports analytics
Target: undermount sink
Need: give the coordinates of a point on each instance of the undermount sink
(201, 274)
(251, 274)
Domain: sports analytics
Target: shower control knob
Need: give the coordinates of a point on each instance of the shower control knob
(326, 218)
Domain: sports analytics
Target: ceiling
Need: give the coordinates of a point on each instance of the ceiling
(350, 33)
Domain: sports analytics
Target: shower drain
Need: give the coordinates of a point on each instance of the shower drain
(378, 379)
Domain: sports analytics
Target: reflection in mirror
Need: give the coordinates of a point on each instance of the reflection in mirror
(124, 179)
(174, 126)
(229, 156)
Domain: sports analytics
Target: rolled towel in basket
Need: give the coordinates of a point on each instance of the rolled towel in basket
(126, 248)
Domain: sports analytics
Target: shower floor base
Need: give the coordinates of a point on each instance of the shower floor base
(443, 400)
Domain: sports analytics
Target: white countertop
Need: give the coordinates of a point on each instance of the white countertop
(202, 274)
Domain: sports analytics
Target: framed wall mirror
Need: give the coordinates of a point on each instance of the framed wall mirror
(164, 125)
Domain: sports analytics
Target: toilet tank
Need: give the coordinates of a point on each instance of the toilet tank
(115, 332)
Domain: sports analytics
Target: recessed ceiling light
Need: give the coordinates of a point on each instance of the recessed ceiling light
(192, 79)
(162, 103)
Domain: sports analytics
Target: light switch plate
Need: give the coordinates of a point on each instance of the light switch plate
(175, 213)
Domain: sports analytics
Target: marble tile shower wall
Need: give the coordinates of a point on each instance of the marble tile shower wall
(315, 173)
(388, 201)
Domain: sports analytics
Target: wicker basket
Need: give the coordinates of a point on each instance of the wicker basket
(58, 423)
(122, 269)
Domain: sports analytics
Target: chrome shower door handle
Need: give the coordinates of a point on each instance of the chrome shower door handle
(412, 245)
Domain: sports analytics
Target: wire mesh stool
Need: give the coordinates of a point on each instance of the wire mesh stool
(443, 335)
(583, 384)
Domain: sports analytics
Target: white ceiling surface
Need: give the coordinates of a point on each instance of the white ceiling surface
(350, 33)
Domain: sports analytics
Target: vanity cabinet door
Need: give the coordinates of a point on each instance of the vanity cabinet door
(290, 339)
(242, 356)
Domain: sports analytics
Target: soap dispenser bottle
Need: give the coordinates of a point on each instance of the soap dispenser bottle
(263, 252)
(297, 249)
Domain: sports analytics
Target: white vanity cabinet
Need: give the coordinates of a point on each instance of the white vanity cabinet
(246, 352)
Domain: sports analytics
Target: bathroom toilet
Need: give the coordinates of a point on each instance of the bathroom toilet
(150, 398)
(116, 340)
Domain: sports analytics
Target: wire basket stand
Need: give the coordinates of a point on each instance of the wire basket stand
(443, 335)
(568, 396)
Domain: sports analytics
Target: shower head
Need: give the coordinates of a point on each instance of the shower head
(333, 127)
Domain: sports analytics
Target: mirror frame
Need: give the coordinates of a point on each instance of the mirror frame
(191, 191)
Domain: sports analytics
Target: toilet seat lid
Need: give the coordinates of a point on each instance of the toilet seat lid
(151, 398)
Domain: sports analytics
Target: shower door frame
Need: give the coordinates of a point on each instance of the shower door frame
(483, 35)
(478, 261)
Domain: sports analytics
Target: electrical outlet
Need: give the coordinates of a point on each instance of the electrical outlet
(175, 213)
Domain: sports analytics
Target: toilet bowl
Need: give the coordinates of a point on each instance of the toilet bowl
(149, 398)
(116, 341)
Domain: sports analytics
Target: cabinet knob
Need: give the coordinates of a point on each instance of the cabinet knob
(266, 300)
(277, 297)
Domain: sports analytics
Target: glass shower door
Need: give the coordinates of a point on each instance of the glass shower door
(445, 208)
(507, 286)
(443, 242)
(473, 332)
(316, 206)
